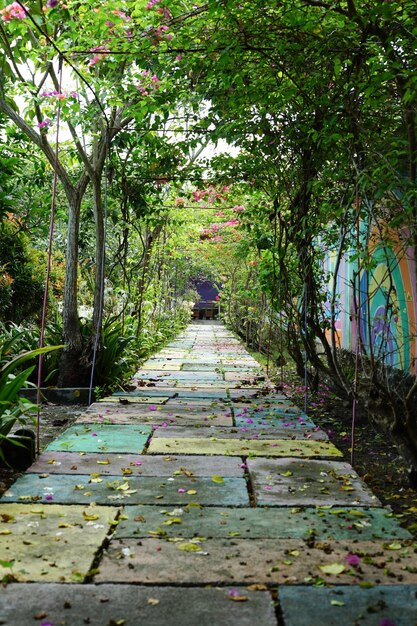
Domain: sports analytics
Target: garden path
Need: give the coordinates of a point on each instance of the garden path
(201, 497)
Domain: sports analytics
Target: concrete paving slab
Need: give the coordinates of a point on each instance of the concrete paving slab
(160, 418)
(255, 422)
(288, 482)
(262, 400)
(207, 394)
(230, 447)
(139, 397)
(135, 465)
(244, 379)
(279, 409)
(166, 366)
(252, 523)
(192, 377)
(102, 438)
(132, 605)
(174, 490)
(231, 561)
(212, 366)
(243, 395)
(218, 432)
(41, 542)
(383, 605)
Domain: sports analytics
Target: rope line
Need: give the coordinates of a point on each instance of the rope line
(49, 263)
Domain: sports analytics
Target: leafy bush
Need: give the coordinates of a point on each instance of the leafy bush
(14, 408)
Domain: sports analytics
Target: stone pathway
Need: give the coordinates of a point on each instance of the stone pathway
(202, 497)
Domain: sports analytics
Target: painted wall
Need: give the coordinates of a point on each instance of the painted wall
(388, 311)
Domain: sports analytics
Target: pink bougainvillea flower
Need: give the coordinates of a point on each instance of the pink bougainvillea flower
(151, 4)
(243, 466)
(181, 490)
(45, 123)
(94, 434)
(49, 496)
(233, 593)
(164, 425)
(51, 4)
(152, 407)
(249, 420)
(13, 12)
(353, 560)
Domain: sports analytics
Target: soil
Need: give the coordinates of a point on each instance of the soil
(55, 419)
(376, 458)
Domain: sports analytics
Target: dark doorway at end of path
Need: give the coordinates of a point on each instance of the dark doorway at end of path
(208, 306)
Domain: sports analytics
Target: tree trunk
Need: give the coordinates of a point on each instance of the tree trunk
(71, 372)
(100, 260)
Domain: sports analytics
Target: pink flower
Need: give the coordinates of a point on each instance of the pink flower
(45, 123)
(49, 496)
(138, 462)
(353, 560)
(152, 407)
(13, 12)
(233, 593)
(94, 434)
(181, 490)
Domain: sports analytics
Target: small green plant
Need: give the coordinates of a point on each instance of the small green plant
(14, 408)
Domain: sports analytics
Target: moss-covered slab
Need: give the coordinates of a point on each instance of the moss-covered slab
(280, 482)
(50, 542)
(247, 561)
(170, 490)
(135, 465)
(230, 447)
(103, 438)
(383, 605)
(323, 524)
(132, 605)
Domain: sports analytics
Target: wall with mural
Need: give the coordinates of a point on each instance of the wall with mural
(387, 303)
